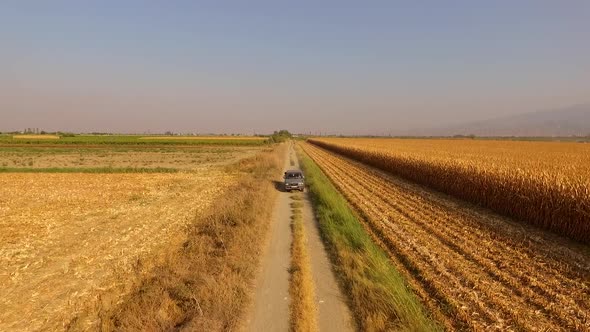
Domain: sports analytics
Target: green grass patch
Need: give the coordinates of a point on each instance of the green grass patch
(64, 149)
(88, 170)
(131, 140)
(378, 294)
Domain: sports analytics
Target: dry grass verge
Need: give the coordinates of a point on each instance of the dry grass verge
(203, 284)
(303, 311)
(296, 205)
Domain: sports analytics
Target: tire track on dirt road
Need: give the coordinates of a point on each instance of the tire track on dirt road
(270, 311)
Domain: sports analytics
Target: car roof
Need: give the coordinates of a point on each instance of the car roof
(294, 171)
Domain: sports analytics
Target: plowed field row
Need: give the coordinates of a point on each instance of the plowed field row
(474, 269)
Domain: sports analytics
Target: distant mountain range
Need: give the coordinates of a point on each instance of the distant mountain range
(571, 121)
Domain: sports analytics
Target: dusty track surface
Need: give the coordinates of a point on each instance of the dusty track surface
(473, 269)
(270, 311)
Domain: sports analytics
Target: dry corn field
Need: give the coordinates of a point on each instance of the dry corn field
(474, 269)
(543, 183)
(68, 241)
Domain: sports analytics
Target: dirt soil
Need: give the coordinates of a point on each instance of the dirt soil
(270, 311)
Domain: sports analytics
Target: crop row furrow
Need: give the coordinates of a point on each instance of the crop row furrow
(538, 292)
(482, 228)
(541, 291)
(456, 291)
(463, 270)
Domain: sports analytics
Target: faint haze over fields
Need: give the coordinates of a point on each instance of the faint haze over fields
(352, 67)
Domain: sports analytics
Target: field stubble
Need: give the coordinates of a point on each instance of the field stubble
(68, 239)
(186, 158)
(203, 283)
(472, 268)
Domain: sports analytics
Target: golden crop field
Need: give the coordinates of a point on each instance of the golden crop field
(35, 137)
(80, 225)
(543, 183)
(472, 268)
(66, 239)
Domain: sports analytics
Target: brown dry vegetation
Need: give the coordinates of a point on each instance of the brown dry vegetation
(544, 183)
(203, 283)
(475, 270)
(303, 312)
(69, 240)
(169, 157)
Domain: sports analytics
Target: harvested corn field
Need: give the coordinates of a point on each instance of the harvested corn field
(69, 241)
(543, 183)
(473, 269)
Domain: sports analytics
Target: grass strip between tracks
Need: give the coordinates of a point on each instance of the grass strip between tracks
(302, 308)
(377, 293)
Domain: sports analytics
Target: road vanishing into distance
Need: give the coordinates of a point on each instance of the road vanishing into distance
(270, 311)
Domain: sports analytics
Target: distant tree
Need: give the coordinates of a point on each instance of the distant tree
(280, 136)
(169, 133)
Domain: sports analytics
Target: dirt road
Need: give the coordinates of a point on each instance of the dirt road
(270, 311)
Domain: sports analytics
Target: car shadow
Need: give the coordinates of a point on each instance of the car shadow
(279, 186)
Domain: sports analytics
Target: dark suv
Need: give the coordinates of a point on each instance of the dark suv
(294, 180)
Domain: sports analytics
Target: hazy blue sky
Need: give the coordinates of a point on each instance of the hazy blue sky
(255, 66)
